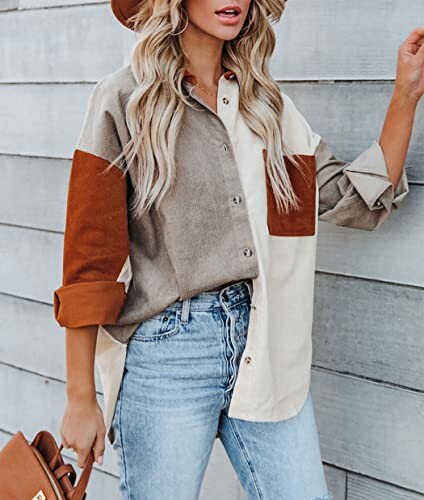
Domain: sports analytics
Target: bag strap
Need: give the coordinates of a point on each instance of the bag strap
(64, 473)
(78, 491)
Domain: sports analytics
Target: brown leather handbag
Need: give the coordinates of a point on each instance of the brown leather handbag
(37, 471)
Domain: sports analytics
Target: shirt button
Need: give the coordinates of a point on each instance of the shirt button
(247, 252)
(225, 147)
(379, 204)
(247, 360)
(236, 200)
(225, 100)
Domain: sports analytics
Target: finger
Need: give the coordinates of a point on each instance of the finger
(82, 455)
(81, 460)
(63, 438)
(420, 52)
(65, 443)
(415, 36)
(99, 447)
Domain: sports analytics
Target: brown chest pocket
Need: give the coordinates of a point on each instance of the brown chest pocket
(296, 222)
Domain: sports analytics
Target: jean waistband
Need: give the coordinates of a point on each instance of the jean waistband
(229, 295)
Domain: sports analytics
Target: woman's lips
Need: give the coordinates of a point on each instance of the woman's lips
(228, 18)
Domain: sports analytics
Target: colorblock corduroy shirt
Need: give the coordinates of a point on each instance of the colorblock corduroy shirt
(218, 224)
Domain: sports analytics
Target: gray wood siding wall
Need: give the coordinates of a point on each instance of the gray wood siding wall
(336, 58)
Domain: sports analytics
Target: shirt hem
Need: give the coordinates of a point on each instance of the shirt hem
(281, 411)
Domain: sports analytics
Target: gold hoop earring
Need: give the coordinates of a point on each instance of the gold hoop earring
(185, 27)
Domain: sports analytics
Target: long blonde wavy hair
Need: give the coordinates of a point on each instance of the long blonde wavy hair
(155, 108)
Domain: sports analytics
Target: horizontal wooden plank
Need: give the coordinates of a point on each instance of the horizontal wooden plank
(391, 253)
(336, 482)
(36, 4)
(27, 323)
(31, 402)
(369, 328)
(6, 5)
(70, 57)
(42, 120)
(370, 428)
(21, 204)
(314, 41)
(351, 115)
(45, 120)
(100, 486)
(363, 488)
(31, 324)
(339, 39)
(30, 263)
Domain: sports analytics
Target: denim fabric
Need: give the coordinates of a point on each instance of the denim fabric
(180, 368)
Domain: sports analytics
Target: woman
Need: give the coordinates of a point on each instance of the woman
(189, 252)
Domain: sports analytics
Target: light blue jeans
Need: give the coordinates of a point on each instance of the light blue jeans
(179, 373)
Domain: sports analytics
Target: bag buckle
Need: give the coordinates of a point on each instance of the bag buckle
(39, 496)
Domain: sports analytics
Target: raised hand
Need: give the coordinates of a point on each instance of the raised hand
(409, 82)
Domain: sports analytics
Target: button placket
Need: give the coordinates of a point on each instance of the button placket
(243, 231)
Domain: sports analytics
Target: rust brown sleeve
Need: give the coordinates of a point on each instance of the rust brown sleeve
(96, 244)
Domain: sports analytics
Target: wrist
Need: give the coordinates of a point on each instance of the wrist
(86, 393)
(404, 100)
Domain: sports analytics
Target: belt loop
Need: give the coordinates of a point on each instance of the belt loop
(185, 310)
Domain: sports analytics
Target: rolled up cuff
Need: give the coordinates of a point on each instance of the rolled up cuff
(402, 189)
(368, 174)
(88, 303)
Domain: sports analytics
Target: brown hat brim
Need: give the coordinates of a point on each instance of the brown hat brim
(123, 10)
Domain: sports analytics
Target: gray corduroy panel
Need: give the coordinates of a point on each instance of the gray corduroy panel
(165, 268)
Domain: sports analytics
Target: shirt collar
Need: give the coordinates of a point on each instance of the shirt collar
(228, 74)
(224, 85)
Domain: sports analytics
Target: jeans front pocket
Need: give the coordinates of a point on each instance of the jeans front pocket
(165, 324)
